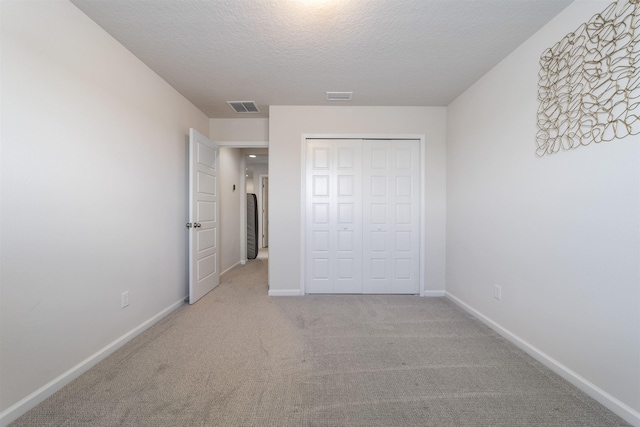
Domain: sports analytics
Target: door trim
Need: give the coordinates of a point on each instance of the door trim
(303, 198)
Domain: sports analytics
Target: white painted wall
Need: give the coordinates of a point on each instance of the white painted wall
(559, 234)
(93, 195)
(244, 130)
(257, 171)
(230, 172)
(287, 124)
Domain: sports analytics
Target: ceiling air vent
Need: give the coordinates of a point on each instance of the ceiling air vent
(244, 106)
(339, 96)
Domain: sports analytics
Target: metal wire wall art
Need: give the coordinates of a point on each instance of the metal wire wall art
(589, 82)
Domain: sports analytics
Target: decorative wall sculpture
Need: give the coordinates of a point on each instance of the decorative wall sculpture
(589, 82)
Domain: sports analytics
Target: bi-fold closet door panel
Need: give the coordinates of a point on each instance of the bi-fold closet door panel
(362, 216)
(391, 217)
(334, 212)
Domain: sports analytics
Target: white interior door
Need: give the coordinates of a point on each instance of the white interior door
(334, 207)
(204, 274)
(376, 217)
(391, 205)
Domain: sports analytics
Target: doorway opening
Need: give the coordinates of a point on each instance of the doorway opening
(240, 166)
(256, 179)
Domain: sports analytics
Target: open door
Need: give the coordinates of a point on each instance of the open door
(204, 274)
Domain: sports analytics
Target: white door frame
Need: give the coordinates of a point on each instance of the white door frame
(303, 207)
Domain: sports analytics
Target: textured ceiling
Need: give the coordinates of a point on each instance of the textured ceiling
(291, 52)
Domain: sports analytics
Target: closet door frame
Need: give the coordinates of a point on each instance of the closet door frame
(303, 207)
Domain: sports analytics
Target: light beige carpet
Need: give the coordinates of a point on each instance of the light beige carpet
(240, 358)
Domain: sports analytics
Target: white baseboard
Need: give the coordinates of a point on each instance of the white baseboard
(20, 408)
(284, 292)
(228, 269)
(433, 293)
(614, 405)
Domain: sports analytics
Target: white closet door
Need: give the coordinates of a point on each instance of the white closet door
(334, 211)
(405, 172)
(377, 208)
(391, 223)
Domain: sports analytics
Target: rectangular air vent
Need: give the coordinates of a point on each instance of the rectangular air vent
(339, 96)
(244, 106)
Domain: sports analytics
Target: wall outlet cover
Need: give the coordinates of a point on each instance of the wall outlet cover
(124, 299)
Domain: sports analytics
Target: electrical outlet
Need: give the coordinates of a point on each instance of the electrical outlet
(124, 299)
(497, 292)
